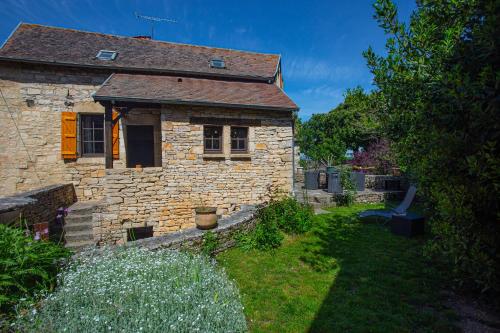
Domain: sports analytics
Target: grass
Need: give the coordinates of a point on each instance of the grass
(343, 276)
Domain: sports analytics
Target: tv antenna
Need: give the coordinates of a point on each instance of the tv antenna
(153, 20)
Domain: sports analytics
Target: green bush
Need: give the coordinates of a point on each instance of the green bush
(137, 290)
(282, 215)
(292, 217)
(440, 78)
(26, 266)
(347, 197)
(210, 243)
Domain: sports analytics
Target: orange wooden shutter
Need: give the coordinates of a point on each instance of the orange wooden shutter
(68, 135)
(116, 138)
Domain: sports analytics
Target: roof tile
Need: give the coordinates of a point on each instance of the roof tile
(30, 42)
(184, 90)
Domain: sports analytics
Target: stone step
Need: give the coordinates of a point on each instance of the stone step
(80, 245)
(75, 236)
(82, 207)
(77, 218)
(78, 226)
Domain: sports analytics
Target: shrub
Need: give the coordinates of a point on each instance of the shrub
(292, 216)
(440, 78)
(26, 266)
(134, 290)
(347, 197)
(378, 154)
(210, 243)
(285, 214)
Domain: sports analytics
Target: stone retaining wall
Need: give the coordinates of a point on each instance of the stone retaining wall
(377, 182)
(192, 238)
(37, 206)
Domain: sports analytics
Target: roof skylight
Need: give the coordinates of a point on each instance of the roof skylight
(217, 63)
(106, 55)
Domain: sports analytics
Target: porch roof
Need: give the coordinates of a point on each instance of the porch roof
(193, 91)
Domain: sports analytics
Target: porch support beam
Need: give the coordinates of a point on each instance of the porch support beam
(108, 135)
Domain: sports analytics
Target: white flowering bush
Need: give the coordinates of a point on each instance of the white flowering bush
(137, 290)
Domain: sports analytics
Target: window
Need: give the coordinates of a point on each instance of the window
(217, 63)
(239, 139)
(212, 136)
(92, 135)
(106, 55)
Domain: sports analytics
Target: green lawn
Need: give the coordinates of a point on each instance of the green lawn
(343, 276)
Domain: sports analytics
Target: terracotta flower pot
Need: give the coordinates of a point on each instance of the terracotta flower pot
(206, 217)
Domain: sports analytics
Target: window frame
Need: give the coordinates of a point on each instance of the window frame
(220, 138)
(102, 55)
(218, 63)
(238, 139)
(82, 136)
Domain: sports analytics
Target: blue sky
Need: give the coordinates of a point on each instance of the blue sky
(320, 41)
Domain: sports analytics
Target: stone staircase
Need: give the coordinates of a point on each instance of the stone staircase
(78, 232)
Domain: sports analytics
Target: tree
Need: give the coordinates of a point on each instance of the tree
(440, 81)
(326, 137)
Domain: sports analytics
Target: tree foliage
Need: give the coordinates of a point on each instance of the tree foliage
(326, 137)
(440, 82)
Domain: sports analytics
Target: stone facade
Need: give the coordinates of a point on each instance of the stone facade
(163, 196)
(30, 128)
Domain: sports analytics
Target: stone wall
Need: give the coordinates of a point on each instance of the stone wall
(378, 182)
(192, 238)
(37, 206)
(30, 128)
(165, 197)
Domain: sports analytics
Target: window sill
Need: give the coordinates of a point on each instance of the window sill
(214, 156)
(90, 160)
(241, 156)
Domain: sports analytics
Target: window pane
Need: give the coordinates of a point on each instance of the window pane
(87, 148)
(99, 148)
(242, 145)
(98, 135)
(234, 144)
(212, 131)
(86, 121)
(216, 145)
(87, 135)
(98, 121)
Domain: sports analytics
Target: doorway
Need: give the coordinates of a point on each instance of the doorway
(140, 146)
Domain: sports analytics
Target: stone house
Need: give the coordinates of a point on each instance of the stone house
(148, 129)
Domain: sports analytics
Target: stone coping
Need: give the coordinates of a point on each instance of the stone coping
(187, 236)
(25, 198)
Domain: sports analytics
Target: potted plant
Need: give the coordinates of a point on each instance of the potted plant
(206, 216)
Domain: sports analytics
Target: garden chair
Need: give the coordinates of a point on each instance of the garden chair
(399, 210)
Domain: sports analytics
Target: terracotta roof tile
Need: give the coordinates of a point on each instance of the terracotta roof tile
(194, 91)
(36, 43)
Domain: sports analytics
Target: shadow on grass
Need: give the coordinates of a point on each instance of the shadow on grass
(382, 282)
